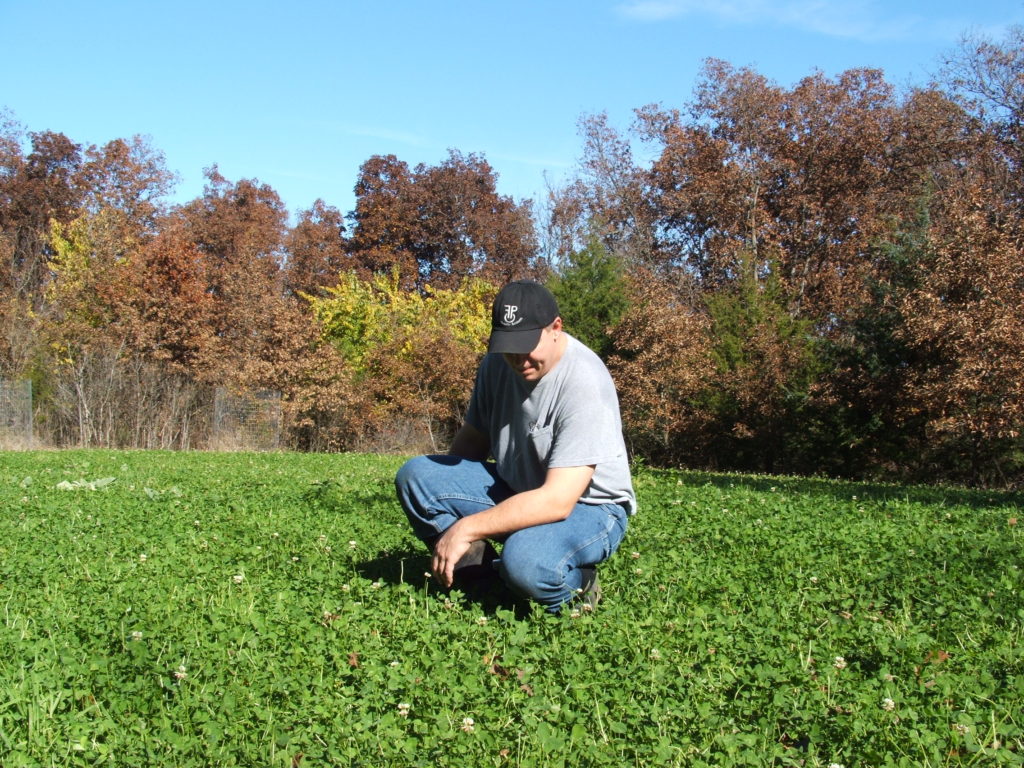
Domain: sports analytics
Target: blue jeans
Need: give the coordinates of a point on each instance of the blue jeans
(541, 562)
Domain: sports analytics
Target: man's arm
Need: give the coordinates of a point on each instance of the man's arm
(553, 501)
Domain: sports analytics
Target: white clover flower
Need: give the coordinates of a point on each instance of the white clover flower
(403, 709)
(238, 578)
(836, 765)
(295, 559)
(136, 635)
(655, 654)
(395, 663)
(427, 574)
(574, 613)
(962, 729)
(467, 724)
(814, 579)
(888, 704)
(482, 620)
(377, 584)
(635, 555)
(142, 558)
(181, 672)
(275, 535)
(352, 544)
(345, 587)
(839, 663)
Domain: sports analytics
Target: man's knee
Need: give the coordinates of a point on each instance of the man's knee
(531, 576)
(408, 472)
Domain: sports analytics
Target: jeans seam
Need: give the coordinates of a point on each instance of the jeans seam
(604, 534)
(486, 501)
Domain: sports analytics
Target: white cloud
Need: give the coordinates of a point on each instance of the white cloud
(864, 20)
(653, 10)
(386, 134)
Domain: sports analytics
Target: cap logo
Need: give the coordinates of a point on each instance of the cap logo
(510, 315)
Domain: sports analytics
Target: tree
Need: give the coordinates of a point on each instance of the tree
(163, 304)
(987, 78)
(765, 369)
(592, 296)
(316, 250)
(239, 229)
(416, 352)
(660, 365)
(128, 176)
(439, 224)
(963, 320)
(607, 199)
(34, 190)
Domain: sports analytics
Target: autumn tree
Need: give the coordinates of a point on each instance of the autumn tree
(608, 198)
(316, 249)
(239, 229)
(35, 189)
(164, 308)
(392, 342)
(439, 224)
(662, 362)
(121, 189)
(963, 322)
(986, 76)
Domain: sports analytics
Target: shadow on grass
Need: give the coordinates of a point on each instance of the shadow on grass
(940, 495)
(410, 566)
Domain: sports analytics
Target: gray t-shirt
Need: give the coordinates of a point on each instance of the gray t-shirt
(569, 418)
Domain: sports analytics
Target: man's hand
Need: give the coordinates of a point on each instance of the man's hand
(448, 550)
(550, 503)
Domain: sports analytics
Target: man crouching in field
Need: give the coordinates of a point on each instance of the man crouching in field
(558, 493)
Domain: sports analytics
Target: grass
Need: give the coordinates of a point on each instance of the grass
(188, 609)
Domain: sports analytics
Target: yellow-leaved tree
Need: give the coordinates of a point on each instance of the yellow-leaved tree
(416, 352)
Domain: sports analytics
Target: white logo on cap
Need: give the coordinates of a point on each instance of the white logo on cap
(510, 315)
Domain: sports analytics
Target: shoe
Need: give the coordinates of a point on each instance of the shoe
(477, 565)
(590, 589)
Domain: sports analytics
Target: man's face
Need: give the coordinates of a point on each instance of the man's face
(534, 365)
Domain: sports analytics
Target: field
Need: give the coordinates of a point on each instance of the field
(192, 609)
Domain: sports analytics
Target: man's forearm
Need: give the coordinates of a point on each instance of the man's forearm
(524, 510)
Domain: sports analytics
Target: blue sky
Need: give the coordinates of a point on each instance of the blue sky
(299, 94)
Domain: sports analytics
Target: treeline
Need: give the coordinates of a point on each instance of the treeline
(826, 278)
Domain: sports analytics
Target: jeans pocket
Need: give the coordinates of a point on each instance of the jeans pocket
(618, 521)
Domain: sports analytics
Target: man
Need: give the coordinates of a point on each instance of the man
(558, 492)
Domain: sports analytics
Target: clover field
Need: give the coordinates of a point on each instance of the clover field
(197, 609)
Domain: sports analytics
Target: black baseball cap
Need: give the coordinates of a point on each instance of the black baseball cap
(522, 309)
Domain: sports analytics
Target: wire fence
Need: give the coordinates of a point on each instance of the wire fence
(246, 421)
(15, 414)
(241, 421)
